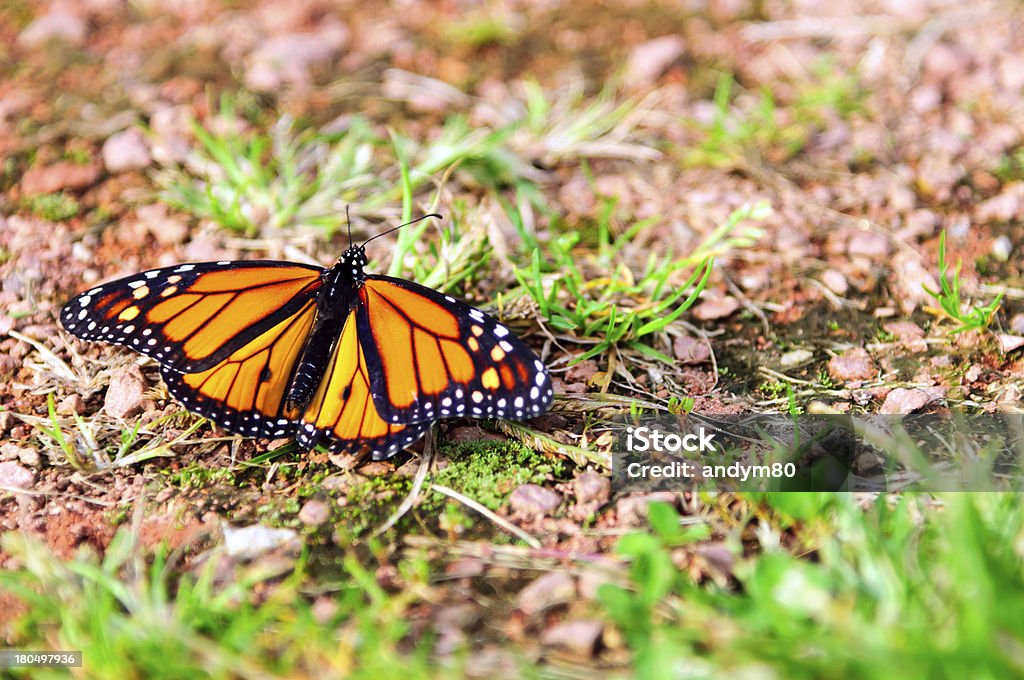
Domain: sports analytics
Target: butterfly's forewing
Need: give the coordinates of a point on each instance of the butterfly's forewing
(430, 356)
(192, 316)
(342, 414)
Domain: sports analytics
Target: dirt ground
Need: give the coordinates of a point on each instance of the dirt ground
(870, 129)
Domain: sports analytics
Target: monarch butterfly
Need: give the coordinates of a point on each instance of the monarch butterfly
(356, 362)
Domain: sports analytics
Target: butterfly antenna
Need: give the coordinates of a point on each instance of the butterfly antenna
(385, 233)
(349, 221)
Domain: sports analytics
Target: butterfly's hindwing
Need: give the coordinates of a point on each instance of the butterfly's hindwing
(245, 393)
(342, 414)
(430, 356)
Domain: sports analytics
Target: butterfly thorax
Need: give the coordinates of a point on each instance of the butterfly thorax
(349, 268)
(337, 298)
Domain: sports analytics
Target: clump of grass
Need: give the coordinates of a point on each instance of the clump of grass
(259, 184)
(764, 129)
(896, 590)
(488, 471)
(478, 154)
(485, 471)
(55, 433)
(368, 505)
(135, 617)
(56, 207)
(537, 126)
(562, 125)
(96, 445)
(948, 296)
(489, 26)
(267, 183)
(460, 251)
(1009, 167)
(199, 476)
(598, 297)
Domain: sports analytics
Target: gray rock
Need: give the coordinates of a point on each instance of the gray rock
(56, 25)
(126, 151)
(547, 591)
(651, 59)
(248, 543)
(15, 476)
(532, 500)
(591, 487)
(579, 638)
(904, 400)
(314, 513)
(125, 393)
(853, 364)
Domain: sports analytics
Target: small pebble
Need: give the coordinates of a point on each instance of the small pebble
(15, 476)
(126, 151)
(532, 500)
(578, 638)
(648, 61)
(691, 350)
(55, 25)
(581, 372)
(866, 244)
(1009, 343)
(125, 394)
(545, 592)
(314, 513)
(73, 404)
(632, 510)
(1002, 247)
(29, 456)
(716, 308)
(590, 487)
(796, 357)
(835, 281)
(248, 543)
(903, 400)
(49, 179)
(853, 364)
